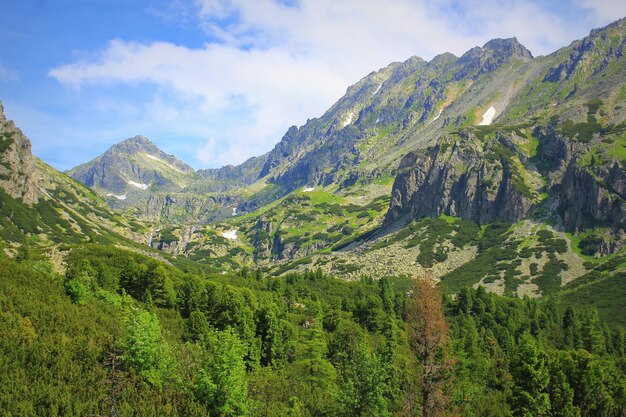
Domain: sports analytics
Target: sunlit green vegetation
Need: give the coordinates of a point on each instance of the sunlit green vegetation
(125, 331)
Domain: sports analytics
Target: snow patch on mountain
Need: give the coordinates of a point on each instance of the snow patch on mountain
(154, 157)
(308, 189)
(230, 234)
(349, 119)
(163, 162)
(377, 90)
(139, 185)
(119, 197)
(438, 114)
(488, 116)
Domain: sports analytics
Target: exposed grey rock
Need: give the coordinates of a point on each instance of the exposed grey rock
(180, 207)
(591, 198)
(17, 166)
(457, 181)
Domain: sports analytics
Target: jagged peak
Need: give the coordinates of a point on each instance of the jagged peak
(138, 140)
(136, 144)
(510, 47)
(140, 144)
(620, 23)
(446, 56)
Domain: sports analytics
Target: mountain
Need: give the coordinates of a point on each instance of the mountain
(390, 112)
(42, 207)
(559, 146)
(131, 167)
(458, 164)
(135, 174)
(361, 138)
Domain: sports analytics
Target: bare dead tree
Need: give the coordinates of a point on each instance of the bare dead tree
(428, 336)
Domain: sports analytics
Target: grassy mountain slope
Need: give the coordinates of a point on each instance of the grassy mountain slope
(550, 167)
(494, 168)
(48, 212)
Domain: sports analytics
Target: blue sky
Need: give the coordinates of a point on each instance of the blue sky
(217, 81)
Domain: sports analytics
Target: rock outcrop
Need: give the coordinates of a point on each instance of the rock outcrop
(17, 166)
(487, 180)
(459, 181)
(593, 197)
(180, 207)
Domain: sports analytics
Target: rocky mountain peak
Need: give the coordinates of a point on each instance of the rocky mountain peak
(142, 145)
(509, 48)
(135, 144)
(618, 24)
(132, 166)
(493, 55)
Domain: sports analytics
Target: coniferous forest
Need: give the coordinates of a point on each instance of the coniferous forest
(124, 334)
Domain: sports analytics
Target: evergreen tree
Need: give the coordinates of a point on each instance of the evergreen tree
(362, 385)
(560, 392)
(530, 380)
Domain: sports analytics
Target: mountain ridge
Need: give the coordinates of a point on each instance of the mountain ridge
(487, 138)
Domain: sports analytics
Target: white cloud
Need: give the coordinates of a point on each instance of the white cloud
(604, 11)
(268, 64)
(251, 94)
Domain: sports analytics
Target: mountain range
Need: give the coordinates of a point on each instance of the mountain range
(495, 168)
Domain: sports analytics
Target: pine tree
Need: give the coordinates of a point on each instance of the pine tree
(531, 379)
(362, 385)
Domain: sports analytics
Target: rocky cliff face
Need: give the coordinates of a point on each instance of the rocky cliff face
(458, 180)
(494, 178)
(588, 188)
(591, 198)
(17, 166)
(228, 177)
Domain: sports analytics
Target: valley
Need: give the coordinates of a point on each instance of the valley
(477, 200)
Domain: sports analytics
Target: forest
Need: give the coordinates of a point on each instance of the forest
(124, 334)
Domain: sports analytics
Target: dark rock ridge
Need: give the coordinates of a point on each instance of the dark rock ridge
(586, 195)
(180, 207)
(591, 55)
(593, 198)
(17, 166)
(457, 181)
(398, 97)
(459, 177)
(229, 177)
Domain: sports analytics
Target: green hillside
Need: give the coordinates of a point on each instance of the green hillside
(448, 239)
